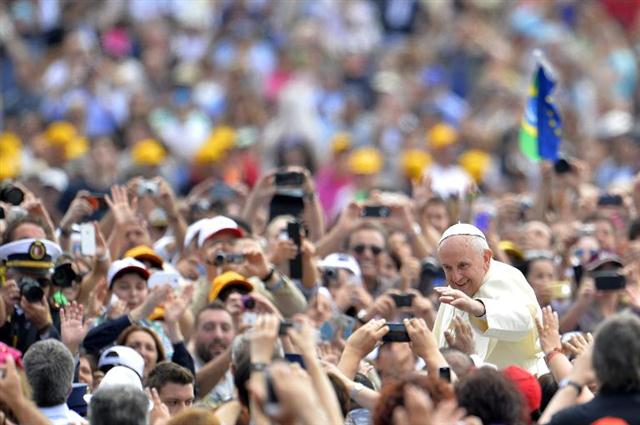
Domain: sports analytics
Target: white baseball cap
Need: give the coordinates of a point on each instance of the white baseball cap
(339, 260)
(120, 355)
(126, 264)
(461, 229)
(193, 231)
(216, 225)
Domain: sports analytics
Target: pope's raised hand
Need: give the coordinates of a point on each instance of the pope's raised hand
(460, 300)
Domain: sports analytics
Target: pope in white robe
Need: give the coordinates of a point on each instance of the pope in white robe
(493, 297)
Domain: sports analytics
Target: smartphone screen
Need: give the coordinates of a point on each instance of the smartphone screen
(87, 239)
(403, 300)
(376, 211)
(289, 178)
(397, 333)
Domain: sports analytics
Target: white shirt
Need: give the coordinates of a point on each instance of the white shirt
(449, 180)
(62, 415)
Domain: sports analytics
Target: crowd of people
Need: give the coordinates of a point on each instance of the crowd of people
(316, 212)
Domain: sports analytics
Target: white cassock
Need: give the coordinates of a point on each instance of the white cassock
(507, 334)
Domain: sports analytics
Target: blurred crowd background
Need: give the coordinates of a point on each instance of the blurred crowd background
(95, 92)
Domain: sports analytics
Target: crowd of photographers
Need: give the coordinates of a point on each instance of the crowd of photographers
(245, 213)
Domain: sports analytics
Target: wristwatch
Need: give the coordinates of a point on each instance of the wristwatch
(567, 383)
(362, 314)
(258, 367)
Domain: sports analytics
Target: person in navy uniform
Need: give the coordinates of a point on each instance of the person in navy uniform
(26, 313)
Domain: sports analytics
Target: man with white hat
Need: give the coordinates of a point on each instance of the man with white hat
(25, 271)
(493, 297)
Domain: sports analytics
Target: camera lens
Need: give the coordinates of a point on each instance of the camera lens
(11, 194)
(220, 259)
(30, 289)
(63, 275)
(249, 302)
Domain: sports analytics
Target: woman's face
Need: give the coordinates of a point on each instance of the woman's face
(541, 274)
(85, 374)
(131, 288)
(145, 345)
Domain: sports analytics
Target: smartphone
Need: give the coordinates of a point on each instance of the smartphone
(376, 211)
(445, 373)
(289, 178)
(294, 358)
(160, 278)
(560, 290)
(97, 202)
(562, 166)
(609, 280)
(285, 325)
(295, 265)
(87, 239)
(607, 200)
(397, 333)
(403, 300)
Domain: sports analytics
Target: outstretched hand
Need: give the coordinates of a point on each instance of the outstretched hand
(73, 328)
(460, 300)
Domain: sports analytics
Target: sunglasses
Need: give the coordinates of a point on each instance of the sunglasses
(359, 249)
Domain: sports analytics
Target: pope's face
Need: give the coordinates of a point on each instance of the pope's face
(464, 264)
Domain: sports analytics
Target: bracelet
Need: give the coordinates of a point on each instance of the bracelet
(268, 276)
(552, 354)
(567, 383)
(258, 367)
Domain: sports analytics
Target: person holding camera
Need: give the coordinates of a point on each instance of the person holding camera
(26, 288)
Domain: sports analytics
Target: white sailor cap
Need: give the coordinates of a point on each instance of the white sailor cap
(32, 255)
(461, 229)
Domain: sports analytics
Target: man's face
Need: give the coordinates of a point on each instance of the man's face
(437, 215)
(176, 396)
(214, 333)
(606, 236)
(136, 234)
(366, 245)
(536, 235)
(464, 265)
(131, 288)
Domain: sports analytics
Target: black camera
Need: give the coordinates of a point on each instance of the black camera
(11, 194)
(30, 289)
(328, 275)
(222, 258)
(64, 276)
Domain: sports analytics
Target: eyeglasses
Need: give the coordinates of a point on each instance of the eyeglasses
(360, 248)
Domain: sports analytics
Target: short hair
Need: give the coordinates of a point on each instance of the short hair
(215, 305)
(168, 372)
(49, 367)
(195, 416)
(549, 388)
(118, 404)
(9, 231)
(616, 354)
(492, 397)
(366, 226)
(122, 339)
(392, 394)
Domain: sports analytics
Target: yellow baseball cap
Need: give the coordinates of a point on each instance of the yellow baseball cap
(148, 152)
(60, 133)
(341, 142)
(227, 280)
(366, 161)
(441, 135)
(475, 162)
(511, 249)
(144, 253)
(9, 166)
(10, 144)
(414, 161)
